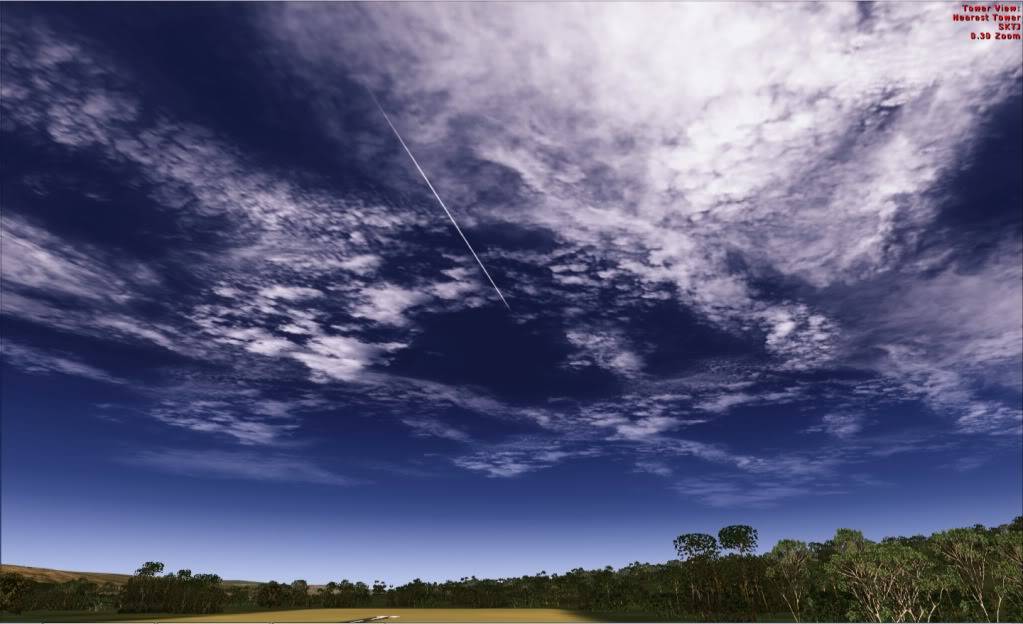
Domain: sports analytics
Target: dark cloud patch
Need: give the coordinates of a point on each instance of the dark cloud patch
(979, 204)
(677, 341)
(485, 348)
(86, 197)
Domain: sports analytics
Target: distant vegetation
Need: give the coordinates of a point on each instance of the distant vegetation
(47, 575)
(968, 574)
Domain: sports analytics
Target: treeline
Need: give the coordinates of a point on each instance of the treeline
(968, 574)
(144, 592)
(18, 593)
(333, 595)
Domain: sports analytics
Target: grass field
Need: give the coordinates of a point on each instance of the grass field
(334, 615)
(405, 615)
(82, 616)
(337, 616)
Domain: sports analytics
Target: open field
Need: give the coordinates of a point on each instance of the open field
(83, 616)
(337, 615)
(405, 615)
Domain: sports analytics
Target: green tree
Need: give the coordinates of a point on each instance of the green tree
(361, 595)
(742, 539)
(738, 537)
(271, 595)
(967, 553)
(145, 592)
(299, 593)
(205, 594)
(846, 541)
(14, 590)
(699, 551)
(900, 579)
(149, 568)
(696, 546)
(139, 594)
(327, 595)
(890, 582)
(1007, 570)
(792, 564)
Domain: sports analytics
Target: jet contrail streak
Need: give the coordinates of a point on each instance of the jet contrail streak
(439, 200)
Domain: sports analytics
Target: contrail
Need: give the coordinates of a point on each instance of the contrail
(439, 200)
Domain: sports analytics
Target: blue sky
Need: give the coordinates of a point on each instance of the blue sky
(779, 286)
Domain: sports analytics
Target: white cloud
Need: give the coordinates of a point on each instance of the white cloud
(606, 349)
(461, 285)
(989, 417)
(724, 492)
(239, 465)
(290, 293)
(45, 362)
(363, 264)
(946, 335)
(219, 417)
(653, 183)
(800, 338)
(340, 357)
(519, 456)
(647, 427)
(270, 346)
(39, 263)
(654, 467)
(840, 425)
(387, 303)
(800, 168)
(724, 402)
(431, 427)
(133, 327)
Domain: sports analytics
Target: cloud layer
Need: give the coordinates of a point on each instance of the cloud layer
(691, 223)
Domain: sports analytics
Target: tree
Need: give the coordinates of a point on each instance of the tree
(360, 594)
(299, 593)
(739, 537)
(968, 555)
(149, 568)
(792, 564)
(698, 551)
(890, 582)
(328, 595)
(1007, 569)
(204, 594)
(271, 595)
(184, 592)
(138, 593)
(13, 592)
(900, 579)
(743, 539)
(847, 541)
(696, 546)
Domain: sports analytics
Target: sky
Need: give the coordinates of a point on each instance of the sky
(763, 265)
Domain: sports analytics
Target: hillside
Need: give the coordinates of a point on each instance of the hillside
(48, 575)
